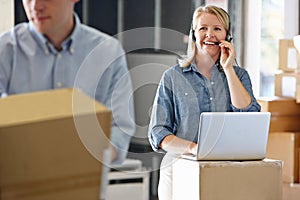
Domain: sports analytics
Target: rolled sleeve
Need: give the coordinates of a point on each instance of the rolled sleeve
(156, 138)
(252, 107)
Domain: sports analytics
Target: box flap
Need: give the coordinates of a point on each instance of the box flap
(46, 105)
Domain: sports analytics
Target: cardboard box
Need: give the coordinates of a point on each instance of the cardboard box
(289, 57)
(279, 105)
(227, 180)
(51, 145)
(285, 113)
(296, 40)
(285, 123)
(286, 85)
(290, 191)
(285, 146)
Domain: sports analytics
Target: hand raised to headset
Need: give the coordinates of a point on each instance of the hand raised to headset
(227, 54)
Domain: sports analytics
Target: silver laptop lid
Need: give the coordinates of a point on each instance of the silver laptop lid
(233, 135)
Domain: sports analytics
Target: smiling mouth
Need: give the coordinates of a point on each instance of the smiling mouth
(211, 43)
(40, 18)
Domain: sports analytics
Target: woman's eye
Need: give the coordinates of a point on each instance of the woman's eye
(202, 28)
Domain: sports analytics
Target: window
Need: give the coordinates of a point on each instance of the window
(272, 29)
(266, 21)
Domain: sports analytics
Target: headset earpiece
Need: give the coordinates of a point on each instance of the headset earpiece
(192, 33)
(228, 37)
(193, 36)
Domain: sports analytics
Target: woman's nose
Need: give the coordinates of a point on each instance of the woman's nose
(209, 34)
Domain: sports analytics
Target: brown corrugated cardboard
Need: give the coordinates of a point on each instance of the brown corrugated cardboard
(291, 191)
(286, 85)
(51, 143)
(289, 57)
(298, 94)
(285, 113)
(227, 180)
(279, 105)
(285, 123)
(285, 146)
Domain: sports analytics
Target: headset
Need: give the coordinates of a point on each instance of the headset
(228, 37)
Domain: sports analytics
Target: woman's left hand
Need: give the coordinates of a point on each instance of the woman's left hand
(227, 54)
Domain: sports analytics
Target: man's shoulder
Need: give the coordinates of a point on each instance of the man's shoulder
(18, 30)
(17, 34)
(96, 35)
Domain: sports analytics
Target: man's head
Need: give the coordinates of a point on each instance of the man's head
(53, 18)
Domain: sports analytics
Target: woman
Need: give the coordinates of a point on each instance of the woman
(205, 81)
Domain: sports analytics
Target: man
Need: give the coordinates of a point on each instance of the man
(54, 50)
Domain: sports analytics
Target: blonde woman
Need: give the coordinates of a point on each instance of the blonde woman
(205, 81)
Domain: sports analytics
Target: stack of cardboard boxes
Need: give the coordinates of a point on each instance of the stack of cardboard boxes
(287, 80)
(284, 137)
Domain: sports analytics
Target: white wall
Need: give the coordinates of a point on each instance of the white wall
(6, 14)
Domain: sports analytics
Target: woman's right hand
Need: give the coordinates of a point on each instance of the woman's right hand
(193, 148)
(176, 145)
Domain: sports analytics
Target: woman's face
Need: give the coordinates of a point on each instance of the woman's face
(209, 32)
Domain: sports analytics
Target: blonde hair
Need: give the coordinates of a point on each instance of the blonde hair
(222, 16)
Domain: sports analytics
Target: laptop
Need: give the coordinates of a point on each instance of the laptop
(232, 136)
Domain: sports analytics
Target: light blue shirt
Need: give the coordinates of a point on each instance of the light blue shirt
(184, 93)
(90, 60)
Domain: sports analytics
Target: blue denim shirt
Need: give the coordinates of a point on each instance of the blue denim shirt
(184, 93)
(89, 60)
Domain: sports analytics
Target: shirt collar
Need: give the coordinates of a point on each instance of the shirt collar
(193, 67)
(75, 33)
(68, 43)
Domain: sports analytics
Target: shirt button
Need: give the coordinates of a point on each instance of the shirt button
(59, 84)
(59, 56)
(212, 82)
(211, 98)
